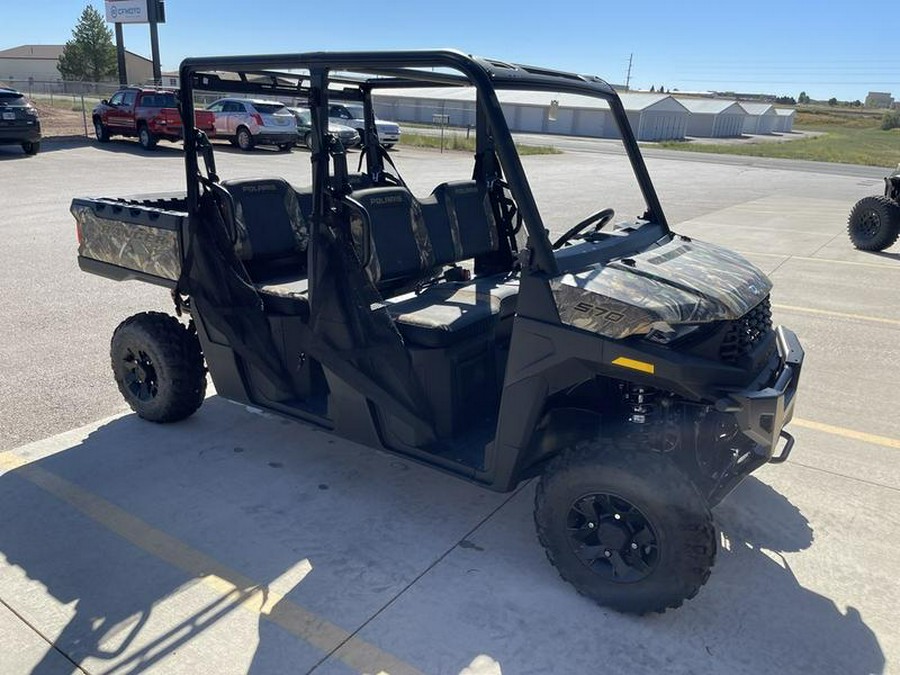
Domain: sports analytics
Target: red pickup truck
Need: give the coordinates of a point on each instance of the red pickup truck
(149, 114)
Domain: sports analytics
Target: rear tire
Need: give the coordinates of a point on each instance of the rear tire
(31, 147)
(244, 139)
(307, 140)
(101, 131)
(874, 223)
(626, 528)
(158, 365)
(285, 147)
(145, 138)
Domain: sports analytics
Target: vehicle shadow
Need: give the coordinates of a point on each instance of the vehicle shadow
(886, 254)
(147, 537)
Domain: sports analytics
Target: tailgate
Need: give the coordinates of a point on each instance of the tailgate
(125, 239)
(205, 120)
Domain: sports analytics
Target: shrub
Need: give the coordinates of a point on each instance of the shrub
(890, 120)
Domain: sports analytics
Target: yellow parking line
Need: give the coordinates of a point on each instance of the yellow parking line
(261, 599)
(883, 441)
(839, 315)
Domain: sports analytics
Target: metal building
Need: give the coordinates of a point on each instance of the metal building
(652, 116)
(761, 117)
(785, 122)
(714, 118)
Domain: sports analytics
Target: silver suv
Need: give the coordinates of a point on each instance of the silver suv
(351, 115)
(250, 122)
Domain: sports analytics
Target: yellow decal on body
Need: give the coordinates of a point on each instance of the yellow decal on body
(642, 366)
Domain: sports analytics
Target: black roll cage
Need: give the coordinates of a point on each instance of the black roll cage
(271, 75)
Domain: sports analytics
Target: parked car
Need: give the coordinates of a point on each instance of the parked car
(19, 122)
(150, 114)
(351, 114)
(348, 136)
(251, 122)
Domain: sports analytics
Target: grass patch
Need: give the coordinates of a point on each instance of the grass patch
(848, 137)
(458, 142)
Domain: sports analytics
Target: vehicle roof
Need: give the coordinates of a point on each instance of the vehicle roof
(391, 69)
(238, 99)
(10, 90)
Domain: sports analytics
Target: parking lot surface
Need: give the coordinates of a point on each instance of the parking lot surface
(242, 542)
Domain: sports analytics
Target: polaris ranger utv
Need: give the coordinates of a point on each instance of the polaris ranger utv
(636, 372)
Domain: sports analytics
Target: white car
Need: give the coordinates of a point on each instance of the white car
(250, 122)
(351, 115)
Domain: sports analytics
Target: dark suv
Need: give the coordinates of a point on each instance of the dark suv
(19, 121)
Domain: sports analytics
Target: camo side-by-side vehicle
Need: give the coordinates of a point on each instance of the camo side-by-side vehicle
(634, 371)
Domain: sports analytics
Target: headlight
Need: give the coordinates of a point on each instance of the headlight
(664, 334)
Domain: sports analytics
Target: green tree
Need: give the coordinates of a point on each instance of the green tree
(652, 89)
(803, 97)
(90, 54)
(832, 101)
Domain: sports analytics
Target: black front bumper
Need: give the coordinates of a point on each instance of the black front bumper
(763, 411)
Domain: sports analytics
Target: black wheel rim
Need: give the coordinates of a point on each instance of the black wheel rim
(140, 375)
(868, 225)
(612, 538)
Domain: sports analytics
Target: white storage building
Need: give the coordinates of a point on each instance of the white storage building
(785, 122)
(761, 117)
(714, 118)
(652, 116)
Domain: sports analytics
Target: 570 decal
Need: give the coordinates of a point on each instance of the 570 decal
(599, 312)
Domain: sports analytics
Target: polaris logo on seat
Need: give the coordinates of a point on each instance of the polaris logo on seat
(259, 188)
(382, 201)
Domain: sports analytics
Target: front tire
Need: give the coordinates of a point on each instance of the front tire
(874, 223)
(158, 366)
(285, 147)
(626, 528)
(244, 139)
(145, 138)
(31, 147)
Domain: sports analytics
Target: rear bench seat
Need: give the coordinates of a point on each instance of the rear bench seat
(271, 219)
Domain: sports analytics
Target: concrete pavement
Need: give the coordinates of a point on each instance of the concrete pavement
(240, 542)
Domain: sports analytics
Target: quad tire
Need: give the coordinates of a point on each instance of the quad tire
(158, 365)
(626, 528)
(874, 223)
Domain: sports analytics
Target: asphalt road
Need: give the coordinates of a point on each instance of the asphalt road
(237, 542)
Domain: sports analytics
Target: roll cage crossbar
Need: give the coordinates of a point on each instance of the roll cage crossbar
(328, 75)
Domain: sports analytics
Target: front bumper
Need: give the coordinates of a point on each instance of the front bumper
(763, 411)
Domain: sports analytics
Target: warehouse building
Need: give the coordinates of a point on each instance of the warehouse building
(36, 64)
(652, 116)
(714, 118)
(761, 117)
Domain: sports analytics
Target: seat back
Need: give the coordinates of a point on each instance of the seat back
(400, 242)
(271, 226)
(467, 228)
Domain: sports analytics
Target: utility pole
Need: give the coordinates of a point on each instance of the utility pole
(120, 55)
(628, 76)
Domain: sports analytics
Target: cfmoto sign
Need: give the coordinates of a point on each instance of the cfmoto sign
(126, 11)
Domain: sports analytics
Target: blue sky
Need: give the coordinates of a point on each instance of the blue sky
(825, 48)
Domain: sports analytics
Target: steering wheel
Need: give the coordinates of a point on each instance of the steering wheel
(599, 220)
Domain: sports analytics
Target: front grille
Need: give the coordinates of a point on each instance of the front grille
(745, 333)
